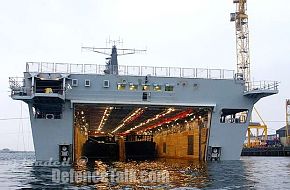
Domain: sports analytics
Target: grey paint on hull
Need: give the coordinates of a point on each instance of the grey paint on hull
(49, 133)
(217, 94)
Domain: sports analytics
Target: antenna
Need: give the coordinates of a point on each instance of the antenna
(114, 42)
(112, 61)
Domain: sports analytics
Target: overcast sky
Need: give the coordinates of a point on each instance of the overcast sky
(181, 33)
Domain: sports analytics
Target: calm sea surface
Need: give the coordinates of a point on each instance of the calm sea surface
(17, 171)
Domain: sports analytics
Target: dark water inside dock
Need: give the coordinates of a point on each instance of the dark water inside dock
(17, 171)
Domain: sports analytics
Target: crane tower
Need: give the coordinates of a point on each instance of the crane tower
(240, 18)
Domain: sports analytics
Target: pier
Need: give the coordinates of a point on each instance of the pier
(266, 151)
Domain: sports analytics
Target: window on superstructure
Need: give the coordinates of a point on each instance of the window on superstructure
(87, 83)
(121, 86)
(75, 82)
(133, 87)
(145, 87)
(234, 115)
(157, 87)
(106, 83)
(169, 88)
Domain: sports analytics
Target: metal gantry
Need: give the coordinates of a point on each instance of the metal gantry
(258, 138)
(240, 18)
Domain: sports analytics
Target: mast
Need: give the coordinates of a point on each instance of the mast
(112, 60)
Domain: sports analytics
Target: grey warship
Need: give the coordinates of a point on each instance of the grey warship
(190, 113)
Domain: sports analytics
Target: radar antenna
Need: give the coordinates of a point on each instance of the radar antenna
(112, 60)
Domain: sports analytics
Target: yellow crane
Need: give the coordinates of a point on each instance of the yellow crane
(258, 137)
(240, 18)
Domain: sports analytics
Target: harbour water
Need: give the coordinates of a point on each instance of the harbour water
(18, 171)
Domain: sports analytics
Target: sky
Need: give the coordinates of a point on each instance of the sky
(176, 33)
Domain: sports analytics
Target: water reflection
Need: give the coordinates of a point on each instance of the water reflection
(228, 175)
(248, 173)
(159, 174)
(267, 172)
(180, 173)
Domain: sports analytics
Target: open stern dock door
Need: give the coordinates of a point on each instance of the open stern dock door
(148, 132)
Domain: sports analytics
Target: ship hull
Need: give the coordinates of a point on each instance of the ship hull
(208, 116)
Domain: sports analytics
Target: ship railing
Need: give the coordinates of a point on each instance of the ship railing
(17, 85)
(44, 67)
(262, 85)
